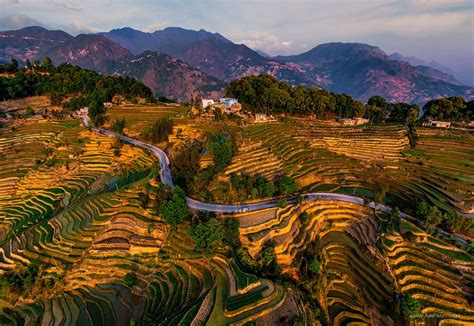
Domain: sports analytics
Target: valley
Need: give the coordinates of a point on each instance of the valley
(176, 177)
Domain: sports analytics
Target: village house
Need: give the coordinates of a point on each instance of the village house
(356, 121)
(360, 121)
(437, 124)
(207, 102)
(227, 102)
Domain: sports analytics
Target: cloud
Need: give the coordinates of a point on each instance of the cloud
(268, 43)
(17, 21)
(155, 27)
(79, 27)
(69, 5)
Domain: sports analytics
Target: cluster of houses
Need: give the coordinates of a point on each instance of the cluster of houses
(356, 121)
(437, 124)
(228, 105)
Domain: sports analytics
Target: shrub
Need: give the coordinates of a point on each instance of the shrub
(175, 210)
(130, 279)
(287, 185)
(207, 236)
(409, 307)
(304, 217)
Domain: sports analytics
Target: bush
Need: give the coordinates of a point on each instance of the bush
(130, 279)
(175, 210)
(287, 185)
(409, 307)
(304, 217)
(314, 266)
(282, 203)
(207, 236)
(118, 126)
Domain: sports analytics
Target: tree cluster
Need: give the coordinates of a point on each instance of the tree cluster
(449, 109)
(449, 221)
(207, 235)
(69, 86)
(265, 94)
(254, 186)
(175, 210)
(159, 131)
(118, 125)
(264, 263)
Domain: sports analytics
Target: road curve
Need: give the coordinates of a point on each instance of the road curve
(166, 178)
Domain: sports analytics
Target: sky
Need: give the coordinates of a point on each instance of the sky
(437, 30)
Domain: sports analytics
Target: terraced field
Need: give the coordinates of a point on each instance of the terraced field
(360, 160)
(139, 118)
(71, 206)
(365, 262)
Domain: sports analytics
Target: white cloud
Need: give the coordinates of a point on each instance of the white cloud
(78, 27)
(69, 5)
(268, 43)
(155, 27)
(17, 21)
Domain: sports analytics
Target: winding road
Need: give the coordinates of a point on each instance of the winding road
(166, 178)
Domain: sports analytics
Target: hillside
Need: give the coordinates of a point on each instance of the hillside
(88, 51)
(168, 76)
(363, 70)
(171, 40)
(29, 42)
(359, 70)
(228, 61)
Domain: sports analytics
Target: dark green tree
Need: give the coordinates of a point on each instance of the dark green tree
(409, 307)
(287, 185)
(207, 236)
(175, 210)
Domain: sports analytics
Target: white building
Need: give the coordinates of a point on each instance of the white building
(227, 102)
(437, 124)
(207, 102)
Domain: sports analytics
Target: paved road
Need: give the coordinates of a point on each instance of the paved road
(166, 178)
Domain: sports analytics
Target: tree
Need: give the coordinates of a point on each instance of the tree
(175, 210)
(118, 126)
(160, 130)
(28, 64)
(96, 112)
(282, 203)
(409, 307)
(221, 151)
(287, 185)
(379, 196)
(422, 208)
(266, 189)
(410, 236)
(304, 217)
(314, 266)
(130, 279)
(231, 232)
(434, 216)
(207, 236)
(48, 65)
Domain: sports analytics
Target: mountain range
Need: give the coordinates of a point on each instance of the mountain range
(180, 63)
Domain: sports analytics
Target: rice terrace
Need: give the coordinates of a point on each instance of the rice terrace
(174, 177)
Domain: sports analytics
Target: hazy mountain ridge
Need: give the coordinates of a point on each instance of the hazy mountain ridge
(363, 70)
(94, 52)
(360, 70)
(29, 42)
(171, 40)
